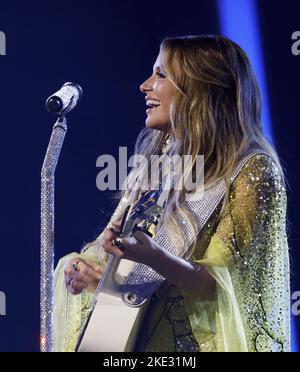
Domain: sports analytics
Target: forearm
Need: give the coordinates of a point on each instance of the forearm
(190, 278)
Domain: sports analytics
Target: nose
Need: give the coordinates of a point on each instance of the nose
(146, 86)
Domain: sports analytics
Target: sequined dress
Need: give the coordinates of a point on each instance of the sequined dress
(245, 250)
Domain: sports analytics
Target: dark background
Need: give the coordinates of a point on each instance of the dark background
(108, 47)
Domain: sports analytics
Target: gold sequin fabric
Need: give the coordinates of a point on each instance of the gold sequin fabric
(166, 327)
(245, 249)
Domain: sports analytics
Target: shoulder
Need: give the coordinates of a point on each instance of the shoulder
(260, 177)
(257, 200)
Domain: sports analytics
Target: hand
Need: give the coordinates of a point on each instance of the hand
(138, 248)
(83, 277)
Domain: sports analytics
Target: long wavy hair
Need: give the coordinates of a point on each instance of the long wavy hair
(215, 112)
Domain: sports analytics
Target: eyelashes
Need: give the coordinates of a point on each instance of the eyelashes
(160, 75)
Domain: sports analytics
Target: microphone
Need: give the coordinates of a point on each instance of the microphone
(65, 99)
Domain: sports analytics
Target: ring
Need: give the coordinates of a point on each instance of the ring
(117, 242)
(75, 265)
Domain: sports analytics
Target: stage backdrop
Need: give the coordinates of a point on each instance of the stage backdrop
(109, 48)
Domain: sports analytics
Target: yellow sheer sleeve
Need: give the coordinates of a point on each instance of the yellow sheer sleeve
(248, 257)
(71, 312)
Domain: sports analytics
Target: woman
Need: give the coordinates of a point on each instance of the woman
(227, 280)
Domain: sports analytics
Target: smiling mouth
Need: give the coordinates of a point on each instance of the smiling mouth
(152, 105)
(150, 109)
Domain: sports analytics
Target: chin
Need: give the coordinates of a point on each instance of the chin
(152, 124)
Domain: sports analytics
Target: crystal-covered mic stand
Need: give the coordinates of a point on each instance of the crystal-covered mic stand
(47, 233)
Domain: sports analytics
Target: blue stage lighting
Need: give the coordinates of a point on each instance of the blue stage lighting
(238, 21)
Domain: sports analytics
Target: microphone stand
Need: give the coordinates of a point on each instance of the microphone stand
(47, 234)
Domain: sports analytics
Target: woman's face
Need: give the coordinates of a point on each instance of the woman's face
(159, 92)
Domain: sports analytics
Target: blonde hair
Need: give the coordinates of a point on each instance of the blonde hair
(216, 111)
